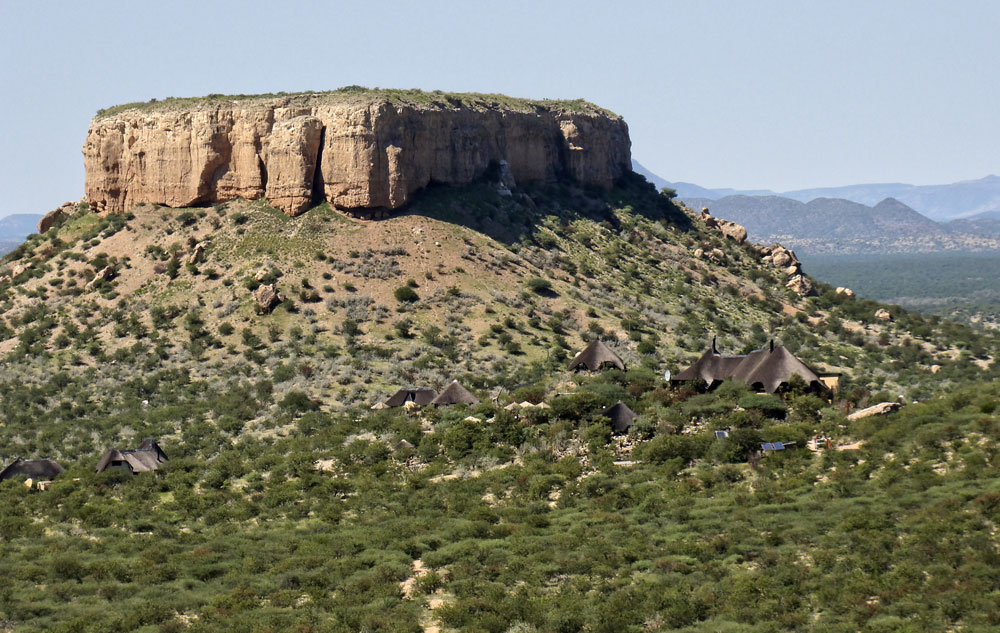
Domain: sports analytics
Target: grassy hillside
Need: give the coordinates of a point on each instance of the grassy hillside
(286, 505)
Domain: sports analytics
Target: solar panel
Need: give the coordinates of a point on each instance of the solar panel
(766, 446)
(778, 446)
(721, 434)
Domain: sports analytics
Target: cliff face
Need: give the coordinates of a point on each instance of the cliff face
(296, 151)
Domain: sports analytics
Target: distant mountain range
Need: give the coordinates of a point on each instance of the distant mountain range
(965, 199)
(15, 228)
(834, 225)
(19, 225)
(854, 222)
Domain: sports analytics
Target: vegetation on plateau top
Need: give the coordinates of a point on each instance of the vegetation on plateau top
(361, 95)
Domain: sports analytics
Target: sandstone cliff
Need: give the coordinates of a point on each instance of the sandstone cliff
(357, 151)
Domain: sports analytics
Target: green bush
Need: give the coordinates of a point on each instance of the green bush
(539, 285)
(405, 294)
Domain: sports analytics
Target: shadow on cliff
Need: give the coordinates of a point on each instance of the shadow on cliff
(516, 217)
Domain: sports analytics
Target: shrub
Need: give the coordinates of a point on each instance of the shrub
(405, 294)
(539, 285)
(298, 402)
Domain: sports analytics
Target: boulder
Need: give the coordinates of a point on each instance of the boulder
(847, 292)
(883, 408)
(699, 253)
(781, 259)
(707, 218)
(56, 216)
(801, 285)
(267, 297)
(197, 253)
(883, 315)
(733, 231)
(105, 274)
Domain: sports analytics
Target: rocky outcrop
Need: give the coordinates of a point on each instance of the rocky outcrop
(267, 298)
(732, 230)
(56, 216)
(354, 151)
(105, 274)
(883, 315)
(801, 285)
(197, 254)
(883, 408)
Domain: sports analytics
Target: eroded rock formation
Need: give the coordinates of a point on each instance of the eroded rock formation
(358, 153)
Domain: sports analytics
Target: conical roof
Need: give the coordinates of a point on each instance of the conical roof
(454, 394)
(595, 356)
(766, 368)
(419, 396)
(621, 417)
(33, 468)
(771, 367)
(711, 367)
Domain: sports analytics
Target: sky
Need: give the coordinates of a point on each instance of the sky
(762, 94)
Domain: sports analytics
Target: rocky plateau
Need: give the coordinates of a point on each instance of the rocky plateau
(365, 153)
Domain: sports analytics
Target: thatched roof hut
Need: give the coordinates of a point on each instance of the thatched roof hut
(454, 394)
(711, 367)
(147, 457)
(420, 396)
(37, 469)
(763, 369)
(621, 417)
(595, 356)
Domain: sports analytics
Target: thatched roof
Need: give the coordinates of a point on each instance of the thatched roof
(32, 468)
(151, 445)
(621, 417)
(711, 367)
(454, 394)
(595, 356)
(147, 457)
(765, 369)
(420, 396)
(768, 369)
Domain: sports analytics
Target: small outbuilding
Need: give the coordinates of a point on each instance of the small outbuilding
(595, 357)
(419, 396)
(37, 469)
(621, 416)
(147, 457)
(454, 394)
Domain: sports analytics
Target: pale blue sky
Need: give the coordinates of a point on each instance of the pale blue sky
(763, 94)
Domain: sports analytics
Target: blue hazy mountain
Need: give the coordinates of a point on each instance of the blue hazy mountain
(15, 228)
(689, 190)
(966, 199)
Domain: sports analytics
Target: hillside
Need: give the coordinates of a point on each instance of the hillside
(257, 348)
(284, 503)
